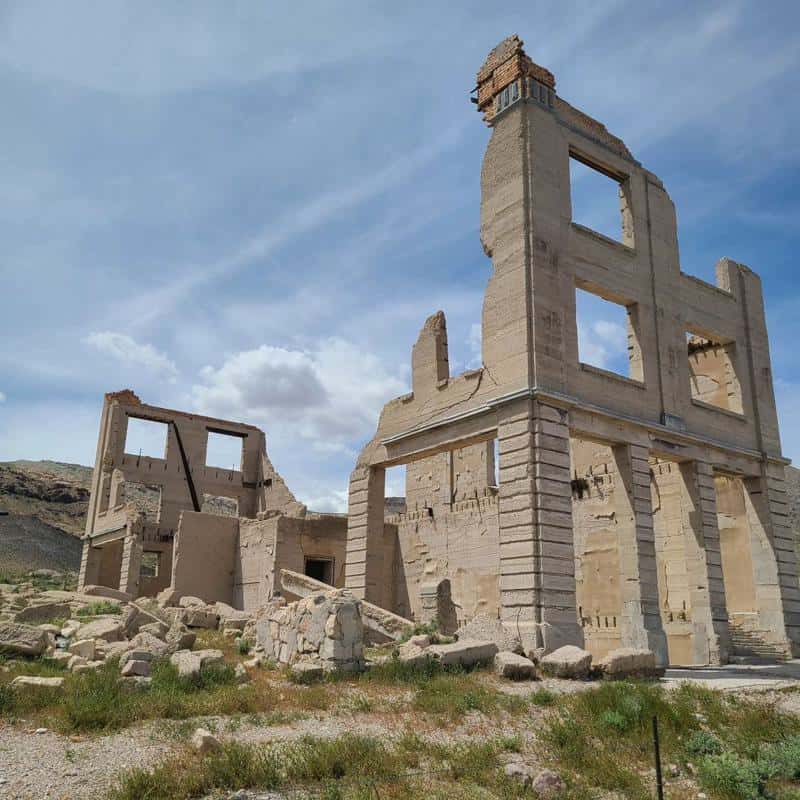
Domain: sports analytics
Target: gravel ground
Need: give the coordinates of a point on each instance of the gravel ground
(48, 766)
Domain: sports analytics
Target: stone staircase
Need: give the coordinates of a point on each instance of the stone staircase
(747, 644)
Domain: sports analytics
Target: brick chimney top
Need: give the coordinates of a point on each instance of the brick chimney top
(507, 75)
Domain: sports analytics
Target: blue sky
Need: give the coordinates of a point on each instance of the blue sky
(249, 209)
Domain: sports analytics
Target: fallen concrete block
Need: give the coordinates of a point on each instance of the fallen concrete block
(106, 591)
(567, 662)
(84, 648)
(148, 642)
(190, 662)
(514, 667)
(31, 681)
(199, 618)
(628, 662)
(187, 601)
(136, 667)
(157, 629)
(23, 640)
(110, 630)
(41, 612)
(464, 653)
(306, 671)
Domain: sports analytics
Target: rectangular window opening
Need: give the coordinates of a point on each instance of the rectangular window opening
(712, 372)
(600, 201)
(608, 335)
(146, 437)
(144, 497)
(321, 569)
(151, 564)
(221, 506)
(394, 493)
(224, 451)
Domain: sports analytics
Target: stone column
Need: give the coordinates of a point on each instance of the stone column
(711, 639)
(90, 565)
(641, 617)
(537, 559)
(365, 533)
(131, 564)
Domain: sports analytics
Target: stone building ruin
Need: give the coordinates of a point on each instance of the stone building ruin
(577, 505)
(173, 521)
(641, 510)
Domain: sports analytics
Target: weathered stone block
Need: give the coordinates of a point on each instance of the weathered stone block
(567, 662)
(515, 667)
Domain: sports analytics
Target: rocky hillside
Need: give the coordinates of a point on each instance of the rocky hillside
(55, 494)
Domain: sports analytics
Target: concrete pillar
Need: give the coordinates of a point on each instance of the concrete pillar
(365, 533)
(90, 565)
(774, 559)
(711, 638)
(131, 565)
(537, 559)
(641, 616)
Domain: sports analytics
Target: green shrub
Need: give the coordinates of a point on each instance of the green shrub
(543, 697)
(243, 646)
(7, 703)
(731, 777)
(703, 743)
(99, 608)
(420, 629)
(781, 759)
(97, 700)
(396, 671)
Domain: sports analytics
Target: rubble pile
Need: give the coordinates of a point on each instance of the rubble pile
(324, 630)
(84, 630)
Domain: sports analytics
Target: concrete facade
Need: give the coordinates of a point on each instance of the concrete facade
(622, 502)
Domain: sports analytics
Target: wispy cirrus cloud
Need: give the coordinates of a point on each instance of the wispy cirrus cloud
(127, 350)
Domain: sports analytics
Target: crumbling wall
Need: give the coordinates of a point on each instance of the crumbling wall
(205, 555)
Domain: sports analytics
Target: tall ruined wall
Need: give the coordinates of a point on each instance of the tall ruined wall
(449, 532)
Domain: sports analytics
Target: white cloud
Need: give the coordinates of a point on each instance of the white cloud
(330, 395)
(603, 344)
(331, 500)
(2, 397)
(129, 351)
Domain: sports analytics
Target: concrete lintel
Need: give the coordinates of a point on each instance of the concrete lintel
(477, 419)
(105, 537)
